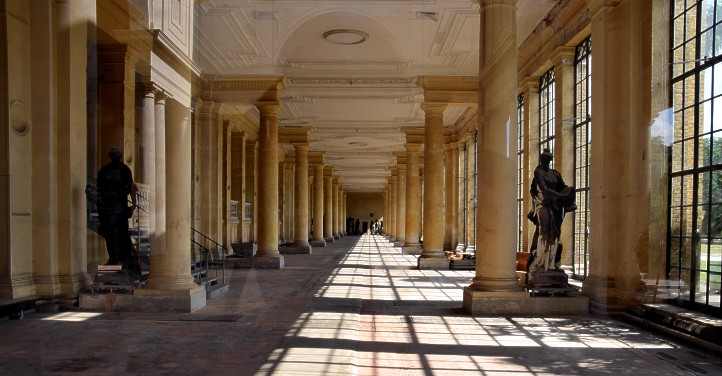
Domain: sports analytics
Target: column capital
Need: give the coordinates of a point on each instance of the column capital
(301, 146)
(486, 4)
(529, 84)
(414, 148)
(269, 108)
(328, 171)
(434, 108)
(563, 56)
(596, 6)
(315, 158)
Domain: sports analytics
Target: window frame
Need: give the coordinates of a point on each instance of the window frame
(582, 128)
(691, 68)
(547, 111)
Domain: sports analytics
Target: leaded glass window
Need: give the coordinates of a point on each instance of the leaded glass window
(582, 148)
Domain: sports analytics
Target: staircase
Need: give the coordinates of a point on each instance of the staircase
(207, 255)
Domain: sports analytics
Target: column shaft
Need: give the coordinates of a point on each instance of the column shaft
(334, 212)
(318, 201)
(564, 143)
(620, 170)
(267, 212)
(147, 131)
(301, 198)
(497, 139)
(158, 241)
(451, 197)
(171, 264)
(401, 206)
(328, 207)
(412, 237)
(433, 256)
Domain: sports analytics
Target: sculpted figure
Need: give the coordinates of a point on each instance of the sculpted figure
(551, 198)
(115, 184)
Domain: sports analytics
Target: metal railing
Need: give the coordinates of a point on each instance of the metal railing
(207, 260)
(207, 255)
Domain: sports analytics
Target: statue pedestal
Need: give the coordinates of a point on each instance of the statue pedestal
(411, 249)
(147, 300)
(492, 303)
(550, 283)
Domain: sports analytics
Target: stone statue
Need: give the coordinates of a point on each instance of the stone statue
(551, 199)
(115, 184)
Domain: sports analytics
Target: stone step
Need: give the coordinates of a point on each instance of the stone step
(693, 323)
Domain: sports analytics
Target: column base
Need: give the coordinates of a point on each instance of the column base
(330, 239)
(246, 249)
(318, 243)
(411, 249)
(610, 296)
(434, 263)
(268, 262)
(493, 303)
(399, 243)
(147, 300)
(296, 249)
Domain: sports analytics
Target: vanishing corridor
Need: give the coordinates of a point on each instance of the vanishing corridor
(357, 307)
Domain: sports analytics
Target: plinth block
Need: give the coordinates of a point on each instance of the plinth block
(147, 300)
(318, 243)
(433, 263)
(493, 303)
(268, 262)
(330, 239)
(411, 249)
(293, 249)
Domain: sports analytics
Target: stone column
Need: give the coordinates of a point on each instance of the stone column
(412, 237)
(433, 256)
(564, 129)
(158, 241)
(328, 205)
(342, 216)
(334, 211)
(267, 209)
(300, 231)
(251, 190)
(386, 209)
(452, 168)
(238, 180)
(148, 173)
(401, 205)
(469, 198)
(494, 288)
(619, 172)
(393, 183)
(318, 201)
(170, 282)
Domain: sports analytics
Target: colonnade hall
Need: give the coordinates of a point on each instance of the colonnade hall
(348, 187)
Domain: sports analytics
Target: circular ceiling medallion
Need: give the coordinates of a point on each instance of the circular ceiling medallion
(346, 37)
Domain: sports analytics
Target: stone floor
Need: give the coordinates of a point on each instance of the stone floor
(354, 308)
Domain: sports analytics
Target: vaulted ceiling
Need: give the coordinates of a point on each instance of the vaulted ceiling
(351, 66)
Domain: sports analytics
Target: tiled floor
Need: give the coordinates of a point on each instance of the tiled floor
(354, 308)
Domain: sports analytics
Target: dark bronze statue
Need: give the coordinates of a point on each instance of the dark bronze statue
(115, 184)
(551, 199)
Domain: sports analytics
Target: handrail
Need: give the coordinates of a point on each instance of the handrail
(206, 237)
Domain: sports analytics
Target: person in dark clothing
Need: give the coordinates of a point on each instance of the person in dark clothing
(115, 184)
